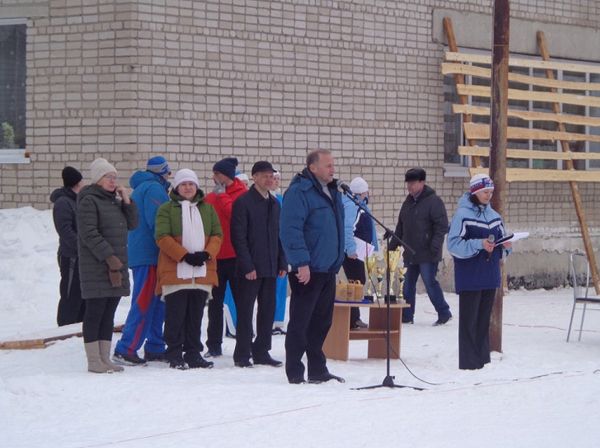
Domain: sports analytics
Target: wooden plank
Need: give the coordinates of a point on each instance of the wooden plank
(454, 56)
(449, 68)
(483, 151)
(530, 95)
(531, 175)
(482, 132)
(460, 80)
(529, 116)
(43, 342)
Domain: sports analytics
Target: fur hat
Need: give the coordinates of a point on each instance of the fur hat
(481, 182)
(158, 165)
(415, 175)
(227, 167)
(71, 176)
(99, 168)
(185, 175)
(359, 185)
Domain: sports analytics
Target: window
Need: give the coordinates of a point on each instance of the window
(13, 71)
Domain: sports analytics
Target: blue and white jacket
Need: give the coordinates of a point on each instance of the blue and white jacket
(474, 268)
(357, 224)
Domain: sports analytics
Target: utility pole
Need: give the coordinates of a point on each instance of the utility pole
(498, 142)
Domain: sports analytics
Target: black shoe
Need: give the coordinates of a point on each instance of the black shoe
(277, 331)
(129, 360)
(198, 362)
(442, 321)
(155, 357)
(213, 353)
(243, 364)
(297, 380)
(324, 378)
(408, 321)
(178, 364)
(268, 361)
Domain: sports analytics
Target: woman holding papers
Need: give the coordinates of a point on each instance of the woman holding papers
(360, 239)
(471, 241)
(189, 236)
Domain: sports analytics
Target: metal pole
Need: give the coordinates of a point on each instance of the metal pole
(498, 141)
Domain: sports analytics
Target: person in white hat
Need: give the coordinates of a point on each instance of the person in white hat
(474, 228)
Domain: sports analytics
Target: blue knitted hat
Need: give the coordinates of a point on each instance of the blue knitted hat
(158, 165)
(227, 167)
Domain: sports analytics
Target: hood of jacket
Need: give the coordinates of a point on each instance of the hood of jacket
(63, 192)
(146, 176)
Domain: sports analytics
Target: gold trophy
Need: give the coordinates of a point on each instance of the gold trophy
(380, 273)
(371, 265)
(391, 260)
(401, 272)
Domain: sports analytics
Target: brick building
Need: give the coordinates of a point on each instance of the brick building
(201, 80)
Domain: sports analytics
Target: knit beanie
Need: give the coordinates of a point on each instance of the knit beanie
(481, 182)
(158, 165)
(100, 167)
(241, 176)
(226, 167)
(185, 175)
(71, 176)
(359, 185)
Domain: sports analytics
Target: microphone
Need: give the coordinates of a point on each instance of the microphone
(343, 186)
(491, 239)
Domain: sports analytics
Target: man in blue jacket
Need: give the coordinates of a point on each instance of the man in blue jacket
(147, 314)
(312, 235)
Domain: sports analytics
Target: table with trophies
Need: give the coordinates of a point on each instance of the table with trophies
(337, 344)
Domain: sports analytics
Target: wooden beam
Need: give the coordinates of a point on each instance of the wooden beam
(529, 116)
(482, 132)
(516, 62)
(483, 151)
(533, 175)
(587, 241)
(449, 68)
(530, 95)
(460, 80)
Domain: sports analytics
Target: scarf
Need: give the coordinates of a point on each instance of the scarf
(192, 239)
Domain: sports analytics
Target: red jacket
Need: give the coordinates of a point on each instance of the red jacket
(223, 204)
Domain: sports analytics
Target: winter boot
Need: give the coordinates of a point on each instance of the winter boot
(105, 356)
(95, 364)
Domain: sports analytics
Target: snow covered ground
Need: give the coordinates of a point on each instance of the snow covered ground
(540, 392)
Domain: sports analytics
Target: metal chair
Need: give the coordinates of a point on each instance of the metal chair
(580, 271)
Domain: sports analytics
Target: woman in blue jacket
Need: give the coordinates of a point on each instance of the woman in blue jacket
(473, 230)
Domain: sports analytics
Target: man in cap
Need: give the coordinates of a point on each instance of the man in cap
(422, 224)
(147, 313)
(260, 260)
(71, 308)
(226, 190)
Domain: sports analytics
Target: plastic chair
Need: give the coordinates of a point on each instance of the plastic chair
(580, 271)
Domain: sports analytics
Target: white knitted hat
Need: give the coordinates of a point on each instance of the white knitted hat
(185, 175)
(99, 168)
(359, 185)
(481, 182)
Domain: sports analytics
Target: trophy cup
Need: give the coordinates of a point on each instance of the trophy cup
(380, 273)
(401, 272)
(370, 265)
(391, 260)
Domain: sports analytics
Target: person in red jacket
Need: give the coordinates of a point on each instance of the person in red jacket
(226, 190)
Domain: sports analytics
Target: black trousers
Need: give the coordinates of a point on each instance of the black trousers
(71, 307)
(354, 270)
(226, 272)
(99, 319)
(311, 314)
(475, 312)
(183, 319)
(247, 293)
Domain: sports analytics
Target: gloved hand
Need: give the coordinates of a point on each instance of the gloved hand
(196, 258)
(114, 264)
(387, 234)
(116, 278)
(218, 188)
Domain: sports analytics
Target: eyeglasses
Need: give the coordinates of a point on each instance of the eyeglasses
(110, 177)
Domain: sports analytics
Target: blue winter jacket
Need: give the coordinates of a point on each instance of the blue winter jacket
(352, 227)
(474, 268)
(149, 193)
(312, 225)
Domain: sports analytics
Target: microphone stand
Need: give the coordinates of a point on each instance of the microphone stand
(388, 381)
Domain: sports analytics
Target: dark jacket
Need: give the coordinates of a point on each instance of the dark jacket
(149, 193)
(102, 222)
(312, 225)
(255, 234)
(422, 225)
(64, 215)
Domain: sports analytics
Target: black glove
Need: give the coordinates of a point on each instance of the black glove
(196, 258)
(387, 234)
